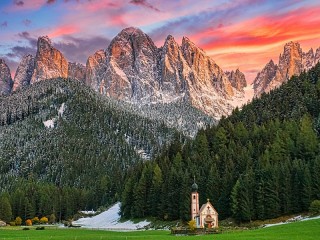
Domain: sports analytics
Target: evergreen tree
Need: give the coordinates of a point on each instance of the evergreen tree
(5, 209)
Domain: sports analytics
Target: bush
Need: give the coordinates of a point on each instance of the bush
(315, 207)
(192, 225)
(52, 218)
(35, 220)
(44, 220)
(18, 221)
(39, 228)
(28, 222)
(12, 223)
(25, 228)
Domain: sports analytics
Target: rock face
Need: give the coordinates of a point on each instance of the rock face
(49, 62)
(24, 72)
(77, 72)
(95, 69)
(5, 78)
(237, 79)
(292, 62)
(133, 69)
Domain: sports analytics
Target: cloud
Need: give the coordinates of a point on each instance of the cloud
(4, 24)
(144, 3)
(79, 49)
(51, 2)
(26, 22)
(18, 3)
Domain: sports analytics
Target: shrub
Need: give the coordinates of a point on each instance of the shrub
(25, 228)
(28, 222)
(52, 218)
(35, 220)
(315, 207)
(12, 223)
(192, 225)
(18, 221)
(44, 220)
(39, 228)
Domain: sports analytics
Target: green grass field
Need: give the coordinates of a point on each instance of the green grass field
(299, 230)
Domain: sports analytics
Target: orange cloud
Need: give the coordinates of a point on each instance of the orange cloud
(64, 30)
(250, 44)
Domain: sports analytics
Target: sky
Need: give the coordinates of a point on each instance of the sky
(242, 34)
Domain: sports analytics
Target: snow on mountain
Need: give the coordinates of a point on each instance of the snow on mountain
(134, 70)
(110, 220)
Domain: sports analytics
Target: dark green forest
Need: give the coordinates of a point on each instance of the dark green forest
(261, 162)
(81, 162)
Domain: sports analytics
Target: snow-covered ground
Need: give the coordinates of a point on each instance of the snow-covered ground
(109, 220)
(294, 219)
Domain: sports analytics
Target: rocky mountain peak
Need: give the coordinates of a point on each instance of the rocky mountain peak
(291, 62)
(24, 72)
(132, 66)
(49, 62)
(44, 43)
(237, 79)
(308, 59)
(5, 78)
(77, 71)
(95, 69)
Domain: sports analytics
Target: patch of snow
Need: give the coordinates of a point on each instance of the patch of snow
(109, 219)
(243, 98)
(49, 123)
(88, 212)
(291, 220)
(61, 110)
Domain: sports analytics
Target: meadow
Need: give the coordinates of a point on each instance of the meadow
(299, 230)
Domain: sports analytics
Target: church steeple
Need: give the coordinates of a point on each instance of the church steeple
(194, 185)
(194, 200)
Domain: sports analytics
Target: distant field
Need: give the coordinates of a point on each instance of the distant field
(294, 231)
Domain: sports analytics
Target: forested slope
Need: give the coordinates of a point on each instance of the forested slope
(261, 162)
(61, 140)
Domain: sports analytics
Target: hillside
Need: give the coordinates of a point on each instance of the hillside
(61, 135)
(259, 163)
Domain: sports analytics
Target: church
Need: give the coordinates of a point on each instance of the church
(206, 216)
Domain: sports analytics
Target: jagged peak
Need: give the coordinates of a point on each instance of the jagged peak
(271, 63)
(2, 61)
(131, 31)
(291, 43)
(187, 41)
(310, 51)
(44, 42)
(170, 38)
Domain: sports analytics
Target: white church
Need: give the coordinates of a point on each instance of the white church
(206, 215)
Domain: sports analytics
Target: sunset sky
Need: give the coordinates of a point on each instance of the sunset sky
(242, 34)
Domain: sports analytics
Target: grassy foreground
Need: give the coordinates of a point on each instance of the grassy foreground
(299, 230)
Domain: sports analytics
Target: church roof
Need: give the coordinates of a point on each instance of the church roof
(204, 206)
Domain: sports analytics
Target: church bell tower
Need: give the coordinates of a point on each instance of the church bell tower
(194, 201)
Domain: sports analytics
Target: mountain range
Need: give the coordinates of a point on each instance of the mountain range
(134, 70)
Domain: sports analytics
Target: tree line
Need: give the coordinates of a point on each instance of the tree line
(259, 163)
